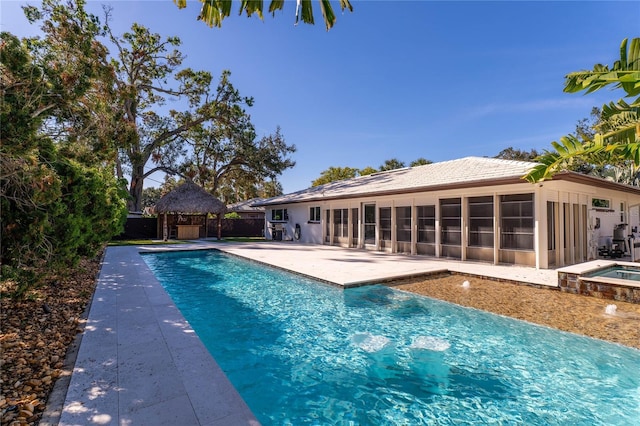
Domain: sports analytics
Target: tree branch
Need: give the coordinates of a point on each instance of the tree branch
(161, 90)
(167, 170)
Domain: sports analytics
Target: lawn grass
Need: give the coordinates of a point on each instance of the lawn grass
(161, 242)
(240, 240)
(144, 242)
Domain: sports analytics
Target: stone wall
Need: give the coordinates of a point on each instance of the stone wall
(573, 283)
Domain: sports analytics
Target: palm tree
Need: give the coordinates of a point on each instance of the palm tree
(420, 162)
(392, 164)
(617, 141)
(214, 11)
(333, 174)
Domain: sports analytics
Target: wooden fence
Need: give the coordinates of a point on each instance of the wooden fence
(140, 228)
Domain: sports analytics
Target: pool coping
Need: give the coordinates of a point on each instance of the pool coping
(140, 362)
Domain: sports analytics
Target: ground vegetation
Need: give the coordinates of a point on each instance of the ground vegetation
(37, 331)
(59, 198)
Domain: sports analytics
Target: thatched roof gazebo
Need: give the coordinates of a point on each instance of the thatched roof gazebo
(191, 199)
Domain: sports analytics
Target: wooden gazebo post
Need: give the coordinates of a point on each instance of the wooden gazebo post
(165, 228)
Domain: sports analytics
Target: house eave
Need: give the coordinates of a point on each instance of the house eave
(431, 188)
(569, 176)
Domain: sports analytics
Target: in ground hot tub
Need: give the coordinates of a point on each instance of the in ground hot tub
(603, 279)
(622, 272)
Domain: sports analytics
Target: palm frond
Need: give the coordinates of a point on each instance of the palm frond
(213, 12)
(551, 162)
(276, 5)
(631, 151)
(624, 74)
(252, 6)
(345, 4)
(306, 12)
(327, 13)
(545, 169)
(618, 122)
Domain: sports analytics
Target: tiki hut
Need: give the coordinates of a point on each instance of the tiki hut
(185, 202)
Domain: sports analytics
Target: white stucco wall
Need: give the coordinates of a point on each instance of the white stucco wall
(580, 228)
(311, 233)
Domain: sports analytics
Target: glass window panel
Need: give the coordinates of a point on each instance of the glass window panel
(345, 223)
(481, 221)
(551, 226)
(450, 237)
(403, 224)
(369, 223)
(517, 222)
(385, 223)
(451, 222)
(327, 225)
(314, 214)
(481, 210)
(279, 215)
(369, 214)
(340, 222)
(426, 224)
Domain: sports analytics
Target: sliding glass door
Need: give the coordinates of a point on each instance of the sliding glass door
(369, 219)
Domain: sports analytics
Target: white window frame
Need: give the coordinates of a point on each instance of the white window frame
(283, 214)
(314, 214)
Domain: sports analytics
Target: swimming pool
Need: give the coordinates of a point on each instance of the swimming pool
(301, 352)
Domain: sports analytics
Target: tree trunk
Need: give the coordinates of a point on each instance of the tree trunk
(135, 192)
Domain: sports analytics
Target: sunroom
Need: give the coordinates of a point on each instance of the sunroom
(472, 209)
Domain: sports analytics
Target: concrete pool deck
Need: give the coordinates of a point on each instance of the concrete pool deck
(140, 363)
(351, 267)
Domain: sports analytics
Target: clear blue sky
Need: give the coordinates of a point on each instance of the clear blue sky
(403, 79)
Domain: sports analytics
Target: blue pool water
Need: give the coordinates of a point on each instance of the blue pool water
(618, 271)
(302, 352)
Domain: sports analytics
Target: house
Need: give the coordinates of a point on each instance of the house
(246, 209)
(471, 208)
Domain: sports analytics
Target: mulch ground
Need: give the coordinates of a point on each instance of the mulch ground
(37, 331)
(574, 313)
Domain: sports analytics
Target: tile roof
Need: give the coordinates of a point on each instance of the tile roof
(246, 206)
(472, 171)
